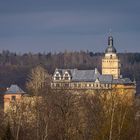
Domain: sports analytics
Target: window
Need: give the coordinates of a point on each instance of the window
(79, 85)
(57, 85)
(57, 77)
(66, 85)
(75, 85)
(109, 85)
(106, 85)
(97, 85)
(13, 98)
(66, 76)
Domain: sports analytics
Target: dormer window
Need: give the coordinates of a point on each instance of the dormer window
(13, 98)
(66, 76)
(57, 76)
(97, 80)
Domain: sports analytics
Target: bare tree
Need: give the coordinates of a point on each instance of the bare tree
(39, 84)
(38, 80)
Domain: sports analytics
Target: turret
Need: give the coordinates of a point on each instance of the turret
(110, 48)
(111, 62)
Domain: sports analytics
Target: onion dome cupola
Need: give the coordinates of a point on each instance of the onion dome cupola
(110, 48)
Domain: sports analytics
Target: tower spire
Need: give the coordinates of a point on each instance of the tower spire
(111, 62)
(110, 41)
(110, 38)
(110, 32)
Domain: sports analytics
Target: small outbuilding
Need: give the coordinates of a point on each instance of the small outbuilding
(12, 94)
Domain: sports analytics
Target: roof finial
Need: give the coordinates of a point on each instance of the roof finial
(134, 80)
(110, 32)
(110, 38)
(96, 71)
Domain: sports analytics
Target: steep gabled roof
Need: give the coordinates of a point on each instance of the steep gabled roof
(92, 76)
(83, 75)
(86, 75)
(14, 89)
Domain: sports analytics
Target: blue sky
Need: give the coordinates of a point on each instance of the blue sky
(59, 25)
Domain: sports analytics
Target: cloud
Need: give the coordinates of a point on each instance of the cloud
(45, 23)
(64, 24)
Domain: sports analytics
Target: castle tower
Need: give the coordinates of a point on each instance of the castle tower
(110, 62)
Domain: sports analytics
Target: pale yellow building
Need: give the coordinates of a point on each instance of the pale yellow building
(109, 79)
(111, 63)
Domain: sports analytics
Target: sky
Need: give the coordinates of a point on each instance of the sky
(72, 25)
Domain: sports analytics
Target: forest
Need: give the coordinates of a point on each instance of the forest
(15, 67)
(48, 114)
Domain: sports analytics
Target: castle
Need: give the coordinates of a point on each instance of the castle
(89, 80)
(92, 79)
